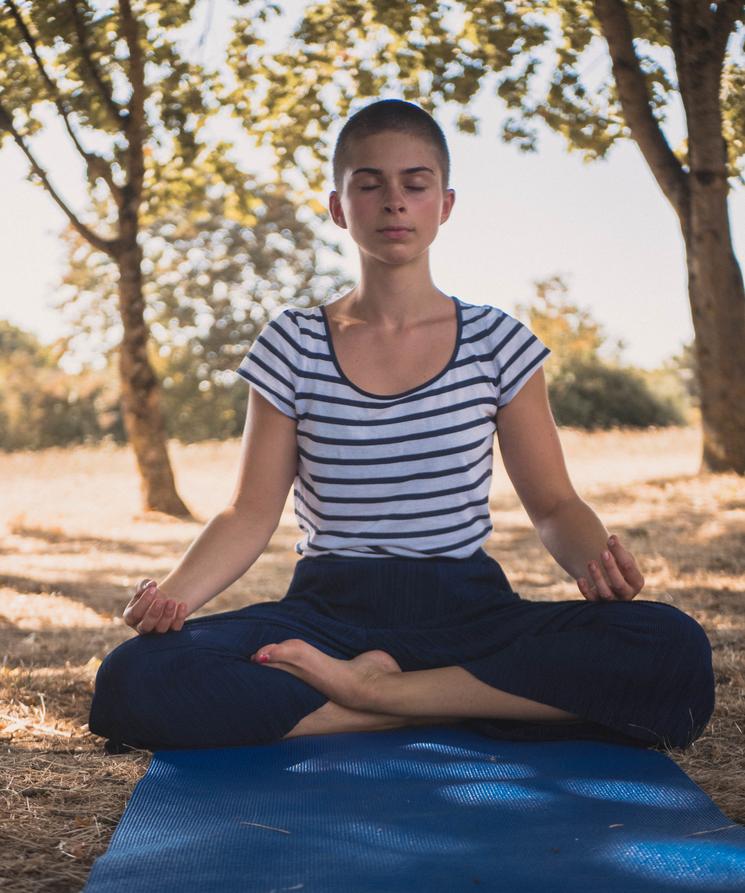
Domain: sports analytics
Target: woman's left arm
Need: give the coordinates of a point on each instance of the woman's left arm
(568, 527)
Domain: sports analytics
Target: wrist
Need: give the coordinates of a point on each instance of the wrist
(166, 590)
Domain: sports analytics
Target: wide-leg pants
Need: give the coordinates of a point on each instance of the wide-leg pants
(636, 672)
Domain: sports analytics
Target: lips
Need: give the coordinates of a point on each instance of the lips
(396, 229)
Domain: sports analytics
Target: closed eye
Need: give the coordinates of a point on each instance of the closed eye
(415, 188)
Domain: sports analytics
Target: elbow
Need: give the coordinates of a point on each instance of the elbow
(254, 518)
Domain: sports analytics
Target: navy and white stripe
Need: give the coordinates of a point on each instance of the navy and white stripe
(407, 474)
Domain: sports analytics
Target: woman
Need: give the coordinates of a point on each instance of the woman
(381, 408)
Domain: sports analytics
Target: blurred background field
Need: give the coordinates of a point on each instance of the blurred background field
(73, 544)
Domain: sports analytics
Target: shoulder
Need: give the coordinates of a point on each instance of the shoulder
(297, 316)
(505, 330)
(478, 320)
(495, 325)
(296, 328)
(506, 342)
(487, 313)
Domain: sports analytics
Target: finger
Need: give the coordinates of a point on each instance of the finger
(586, 590)
(626, 564)
(136, 609)
(151, 617)
(181, 612)
(590, 586)
(599, 580)
(590, 589)
(166, 618)
(618, 583)
(141, 590)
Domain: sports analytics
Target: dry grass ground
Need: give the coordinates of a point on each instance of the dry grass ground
(73, 547)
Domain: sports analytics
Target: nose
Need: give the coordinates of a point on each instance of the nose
(393, 198)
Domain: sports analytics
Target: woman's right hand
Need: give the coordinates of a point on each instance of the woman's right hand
(148, 611)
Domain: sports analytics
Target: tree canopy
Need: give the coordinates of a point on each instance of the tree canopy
(135, 106)
(540, 57)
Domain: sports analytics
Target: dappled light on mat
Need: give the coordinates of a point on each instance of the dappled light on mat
(414, 768)
(496, 794)
(659, 796)
(682, 865)
(421, 809)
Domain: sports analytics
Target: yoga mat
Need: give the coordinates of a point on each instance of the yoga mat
(428, 808)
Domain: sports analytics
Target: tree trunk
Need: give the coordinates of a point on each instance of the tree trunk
(143, 418)
(717, 299)
(715, 280)
(699, 196)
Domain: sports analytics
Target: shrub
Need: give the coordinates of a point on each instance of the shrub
(594, 395)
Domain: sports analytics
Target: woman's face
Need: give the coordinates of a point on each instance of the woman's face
(392, 180)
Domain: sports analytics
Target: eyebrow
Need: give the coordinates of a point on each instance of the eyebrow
(376, 170)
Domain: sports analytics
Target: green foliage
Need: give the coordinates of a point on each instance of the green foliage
(15, 343)
(586, 391)
(221, 251)
(125, 83)
(87, 66)
(210, 283)
(41, 406)
(539, 57)
(569, 330)
(595, 395)
(683, 365)
(671, 383)
(80, 57)
(199, 406)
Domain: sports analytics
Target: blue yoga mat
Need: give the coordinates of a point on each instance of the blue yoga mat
(428, 808)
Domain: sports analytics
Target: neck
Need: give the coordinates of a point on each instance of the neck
(395, 296)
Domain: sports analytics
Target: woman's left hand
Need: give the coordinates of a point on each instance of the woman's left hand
(612, 578)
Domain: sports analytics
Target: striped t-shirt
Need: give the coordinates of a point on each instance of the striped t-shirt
(397, 475)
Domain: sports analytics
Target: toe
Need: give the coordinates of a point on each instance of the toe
(290, 651)
(262, 654)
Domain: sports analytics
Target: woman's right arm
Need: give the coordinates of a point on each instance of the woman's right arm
(235, 537)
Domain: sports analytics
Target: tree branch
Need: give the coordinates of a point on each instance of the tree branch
(677, 28)
(106, 245)
(699, 66)
(53, 89)
(96, 164)
(117, 113)
(136, 116)
(635, 102)
(725, 17)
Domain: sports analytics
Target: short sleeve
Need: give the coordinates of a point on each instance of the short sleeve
(518, 354)
(271, 364)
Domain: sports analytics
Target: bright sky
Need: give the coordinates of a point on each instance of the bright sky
(517, 218)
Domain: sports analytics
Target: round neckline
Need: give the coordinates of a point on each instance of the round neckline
(424, 384)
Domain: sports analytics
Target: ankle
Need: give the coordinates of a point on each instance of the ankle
(370, 694)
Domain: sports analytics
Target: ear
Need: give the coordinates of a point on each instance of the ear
(447, 205)
(337, 214)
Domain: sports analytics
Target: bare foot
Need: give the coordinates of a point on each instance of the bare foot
(331, 718)
(347, 682)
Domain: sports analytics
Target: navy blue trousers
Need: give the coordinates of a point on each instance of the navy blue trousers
(635, 672)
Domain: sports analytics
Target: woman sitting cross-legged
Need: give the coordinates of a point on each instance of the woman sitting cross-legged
(381, 409)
